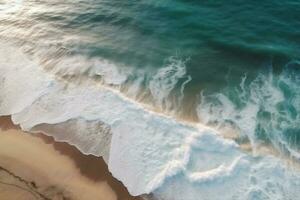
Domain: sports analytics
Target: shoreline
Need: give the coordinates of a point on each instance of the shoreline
(36, 165)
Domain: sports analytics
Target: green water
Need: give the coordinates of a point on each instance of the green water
(224, 63)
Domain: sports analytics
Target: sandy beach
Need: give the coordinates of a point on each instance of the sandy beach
(37, 167)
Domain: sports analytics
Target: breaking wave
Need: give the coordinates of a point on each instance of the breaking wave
(265, 110)
(148, 151)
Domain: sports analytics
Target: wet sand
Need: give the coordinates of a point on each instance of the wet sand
(37, 167)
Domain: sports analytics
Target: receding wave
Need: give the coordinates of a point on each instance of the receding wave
(149, 152)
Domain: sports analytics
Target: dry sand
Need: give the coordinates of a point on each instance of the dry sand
(37, 167)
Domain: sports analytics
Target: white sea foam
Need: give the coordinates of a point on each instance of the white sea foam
(79, 66)
(148, 152)
(10, 6)
(21, 81)
(268, 105)
(165, 80)
(97, 135)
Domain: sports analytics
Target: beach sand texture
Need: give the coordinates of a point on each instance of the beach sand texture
(37, 167)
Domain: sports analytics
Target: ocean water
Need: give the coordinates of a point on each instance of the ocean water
(184, 99)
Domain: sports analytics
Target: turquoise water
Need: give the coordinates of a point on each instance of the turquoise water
(226, 64)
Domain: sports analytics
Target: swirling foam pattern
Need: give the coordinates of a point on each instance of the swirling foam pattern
(147, 151)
